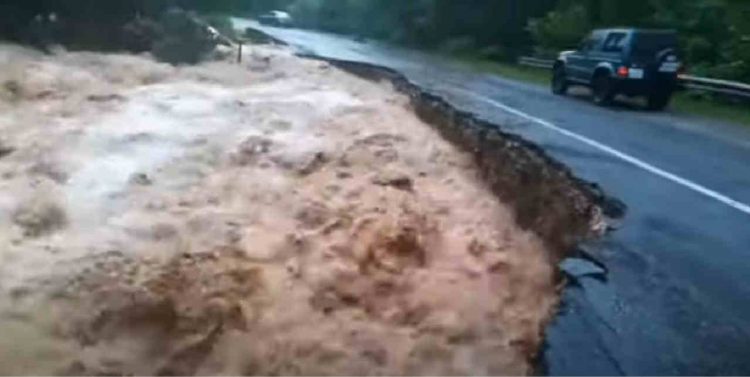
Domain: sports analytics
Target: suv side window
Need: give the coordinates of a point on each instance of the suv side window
(615, 42)
(589, 43)
(594, 41)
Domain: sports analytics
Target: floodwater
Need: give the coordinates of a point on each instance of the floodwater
(274, 217)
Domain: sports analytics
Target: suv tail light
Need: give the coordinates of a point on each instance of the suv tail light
(623, 71)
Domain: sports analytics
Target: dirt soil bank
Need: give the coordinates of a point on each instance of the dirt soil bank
(279, 217)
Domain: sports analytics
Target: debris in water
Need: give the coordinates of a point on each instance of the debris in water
(105, 97)
(141, 179)
(5, 149)
(398, 180)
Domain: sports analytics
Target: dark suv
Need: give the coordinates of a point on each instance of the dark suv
(622, 61)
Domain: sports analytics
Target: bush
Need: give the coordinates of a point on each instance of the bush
(140, 34)
(699, 49)
(185, 40)
(221, 23)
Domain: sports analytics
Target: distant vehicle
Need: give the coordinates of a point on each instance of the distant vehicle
(634, 62)
(276, 18)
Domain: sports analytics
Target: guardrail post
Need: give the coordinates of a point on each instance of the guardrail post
(239, 52)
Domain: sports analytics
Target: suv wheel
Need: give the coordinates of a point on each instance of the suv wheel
(602, 89)
(559, 81)
(658, 101)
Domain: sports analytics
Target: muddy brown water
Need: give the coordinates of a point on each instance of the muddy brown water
(279, 217)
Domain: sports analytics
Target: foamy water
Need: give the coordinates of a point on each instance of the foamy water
(279, 217)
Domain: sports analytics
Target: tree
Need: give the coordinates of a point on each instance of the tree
(561, 28)
(714, 33)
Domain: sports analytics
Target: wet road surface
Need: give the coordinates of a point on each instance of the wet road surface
(677, 296)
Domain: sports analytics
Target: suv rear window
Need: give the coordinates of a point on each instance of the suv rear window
(648, 44)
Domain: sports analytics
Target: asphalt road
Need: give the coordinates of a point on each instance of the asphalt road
(677, 297)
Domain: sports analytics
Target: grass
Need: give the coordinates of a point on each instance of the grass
(681, 103)
(512, 71)
(708, 108)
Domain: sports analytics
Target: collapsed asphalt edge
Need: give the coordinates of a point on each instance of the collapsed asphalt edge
(546, 196)
(564, 210)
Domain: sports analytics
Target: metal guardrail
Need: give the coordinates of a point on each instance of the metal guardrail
(535, 62)
(732, 89)
(722, 87)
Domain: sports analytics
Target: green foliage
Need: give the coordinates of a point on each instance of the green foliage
(184, 41)
(715, 34)
(139, 34)
(561, 28)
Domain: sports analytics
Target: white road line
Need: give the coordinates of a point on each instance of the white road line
(621, 155)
